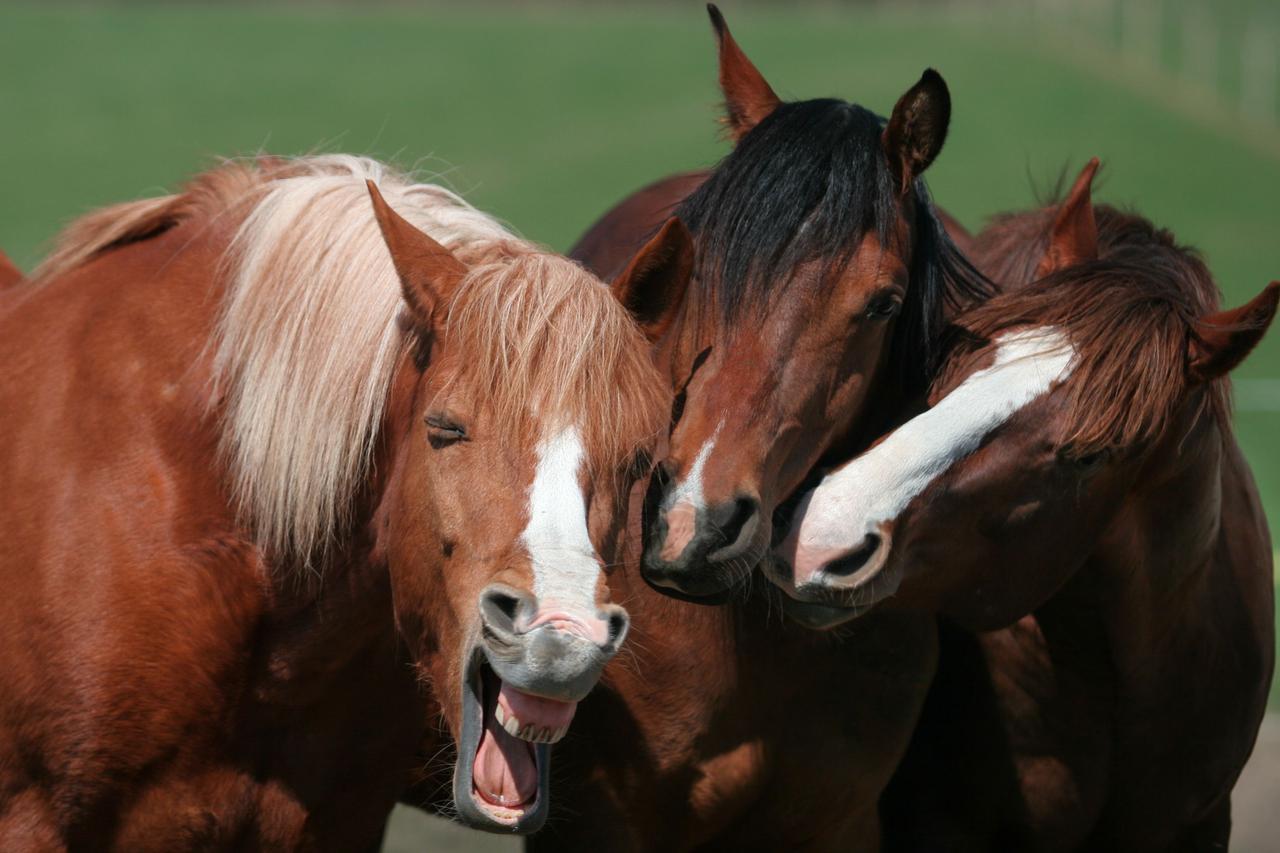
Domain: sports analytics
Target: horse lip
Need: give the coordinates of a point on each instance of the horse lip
(820, 604)
(464, 798)
(712, 599)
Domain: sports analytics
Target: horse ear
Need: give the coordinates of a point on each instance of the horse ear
(9, 272)
(918, 127)
(1222, 340)
(428, 271)
(653, 285)
(748, 99)
(1074, 238)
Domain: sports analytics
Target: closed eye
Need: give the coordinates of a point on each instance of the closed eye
(1083, 463)
(443, 430)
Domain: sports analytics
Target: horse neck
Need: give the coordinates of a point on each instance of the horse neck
(1162, 647)
(1167, 572)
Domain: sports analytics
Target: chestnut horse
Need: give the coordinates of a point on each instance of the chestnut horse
(1076, 492)
(243, 444)
(821, 269)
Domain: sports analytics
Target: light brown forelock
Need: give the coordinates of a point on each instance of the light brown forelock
(549, 343)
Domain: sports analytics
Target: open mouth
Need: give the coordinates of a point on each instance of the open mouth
(502, 776)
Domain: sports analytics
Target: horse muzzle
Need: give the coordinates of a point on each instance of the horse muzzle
(828, 586)
(696, 552)
(522, 684)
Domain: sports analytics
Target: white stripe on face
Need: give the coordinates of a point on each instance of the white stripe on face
(565, 568)
(854, 500)
(685, 501)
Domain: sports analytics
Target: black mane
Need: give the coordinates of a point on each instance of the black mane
(808, 183)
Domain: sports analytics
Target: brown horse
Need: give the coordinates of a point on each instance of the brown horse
(702, 737)
(239, 435)
(9, 272)
(1076, 480)
(821, 269)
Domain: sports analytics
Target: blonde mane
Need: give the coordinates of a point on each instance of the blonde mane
(310, 333)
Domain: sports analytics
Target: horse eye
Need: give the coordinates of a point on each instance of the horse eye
(443, 430)
(1084, 461)
(1091, 460)
(883, 306)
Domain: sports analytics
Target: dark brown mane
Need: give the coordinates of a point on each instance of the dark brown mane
(1010, 247)
(1129, 315)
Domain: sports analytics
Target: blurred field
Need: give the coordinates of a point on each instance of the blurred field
(545, 116)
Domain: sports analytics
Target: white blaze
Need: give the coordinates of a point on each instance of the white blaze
(853, 500)
(565, 568)
(684, 503)
(689, 490)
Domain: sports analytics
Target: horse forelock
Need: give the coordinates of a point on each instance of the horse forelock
(808, 183)
(1128, 315)
(553, 349)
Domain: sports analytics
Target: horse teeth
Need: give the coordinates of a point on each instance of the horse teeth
(512, 725)
(557, 734)
(500, 715)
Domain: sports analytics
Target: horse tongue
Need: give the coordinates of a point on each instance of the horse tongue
(504, 772)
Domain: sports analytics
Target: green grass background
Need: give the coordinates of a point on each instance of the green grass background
(546, 116)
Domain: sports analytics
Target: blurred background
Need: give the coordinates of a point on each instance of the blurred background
(547, 113)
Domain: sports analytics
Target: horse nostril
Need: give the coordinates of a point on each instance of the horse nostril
(500, 606)
(855, 559)
(734, 517)
(619, 622)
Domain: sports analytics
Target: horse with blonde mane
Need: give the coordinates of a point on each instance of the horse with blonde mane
(295, 481)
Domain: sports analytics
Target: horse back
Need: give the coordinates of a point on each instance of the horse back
(612, 240)
(161, 690)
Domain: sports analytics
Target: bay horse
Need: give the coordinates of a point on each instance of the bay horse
(819, 282)
(818, 274)
(301, 464)
(1076, 507)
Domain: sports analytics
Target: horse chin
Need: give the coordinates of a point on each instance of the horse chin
(527, 764)
(713, 599)
(820, 617)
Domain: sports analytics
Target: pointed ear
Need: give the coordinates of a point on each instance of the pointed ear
(1223, 339)
(9, 272)
(428, 271)
(918, 127)
(1074, 237)
(747, 97)
(653, 285)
